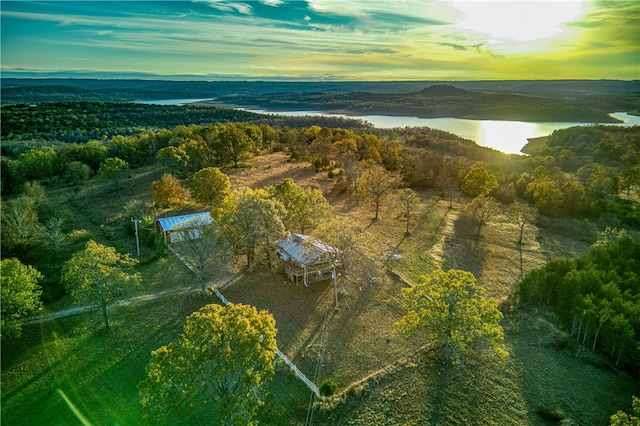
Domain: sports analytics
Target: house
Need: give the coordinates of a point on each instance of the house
(178, 228)
(307, 260)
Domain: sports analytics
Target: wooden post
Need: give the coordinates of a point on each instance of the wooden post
(334, 275)
(135, 225)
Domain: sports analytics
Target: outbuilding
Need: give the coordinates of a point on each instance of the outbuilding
(180, 228)
(307, 260)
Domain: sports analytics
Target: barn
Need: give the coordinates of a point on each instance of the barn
(178, 228)
(307, 260)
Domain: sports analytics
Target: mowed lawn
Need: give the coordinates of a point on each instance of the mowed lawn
(69, 368)
(69, 371)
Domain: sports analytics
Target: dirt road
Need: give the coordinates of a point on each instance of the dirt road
(89, 308)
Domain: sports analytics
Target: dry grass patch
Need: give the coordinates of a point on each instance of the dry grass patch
(358, 338)
(536, 379)
(269, 169)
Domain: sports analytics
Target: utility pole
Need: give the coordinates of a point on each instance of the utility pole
(135, 226)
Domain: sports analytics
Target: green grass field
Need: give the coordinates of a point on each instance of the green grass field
(66, 370)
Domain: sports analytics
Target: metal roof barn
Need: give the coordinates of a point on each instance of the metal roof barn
(170, 227)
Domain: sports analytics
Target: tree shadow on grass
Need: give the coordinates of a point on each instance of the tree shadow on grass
(298, 310)
(463, 248)
(439, 415)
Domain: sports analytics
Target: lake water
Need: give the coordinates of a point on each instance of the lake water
(173, 101)
(506, 136)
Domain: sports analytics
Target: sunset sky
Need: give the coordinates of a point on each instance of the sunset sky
(323, 39)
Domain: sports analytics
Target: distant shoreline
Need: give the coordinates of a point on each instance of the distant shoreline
(356, 113)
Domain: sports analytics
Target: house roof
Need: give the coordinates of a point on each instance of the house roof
(306, 251)
(185, 221)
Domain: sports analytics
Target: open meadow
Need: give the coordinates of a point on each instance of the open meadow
(68, 371)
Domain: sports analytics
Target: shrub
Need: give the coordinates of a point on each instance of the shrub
(551, 414)
(328, 387)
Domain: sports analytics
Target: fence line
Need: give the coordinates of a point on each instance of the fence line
(282, 356)
(299, 373)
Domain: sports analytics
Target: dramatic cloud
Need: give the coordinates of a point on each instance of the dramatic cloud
(336, 39)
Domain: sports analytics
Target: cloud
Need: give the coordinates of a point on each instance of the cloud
(615, 26)
(272, 3)
(230, 6)
(352, 38)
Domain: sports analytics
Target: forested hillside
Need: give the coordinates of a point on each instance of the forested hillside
(586, 101)
(78, 122)
(595, 296)
(451, 101)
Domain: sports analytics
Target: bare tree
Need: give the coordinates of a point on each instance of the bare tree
(407, 202)
(205, 247)
(482, 209)
(375, 185)
(523, 214)
(350, 240)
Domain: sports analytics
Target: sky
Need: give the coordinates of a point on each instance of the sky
(352, 40)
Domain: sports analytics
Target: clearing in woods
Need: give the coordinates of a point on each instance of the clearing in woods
(538, 380)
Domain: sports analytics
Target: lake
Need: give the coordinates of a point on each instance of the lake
(506, 136)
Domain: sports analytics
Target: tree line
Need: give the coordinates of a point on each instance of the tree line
(80, 121)
(595, 296)
(573, 173)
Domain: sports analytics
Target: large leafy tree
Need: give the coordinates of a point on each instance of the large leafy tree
(214, 373)
(198, 153)
(478, 181)
(91, 153)
(252, 221)
(20, 295)
(98, 275)
(21, 227)
(209, 186)
(38, 163)
(126, 148)
(449, 311)
(629, 178)
(545, 191)
(167, 191)
(305, 208)
(173, 157)
(115, 170)
(320, 148)
(234, 143)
